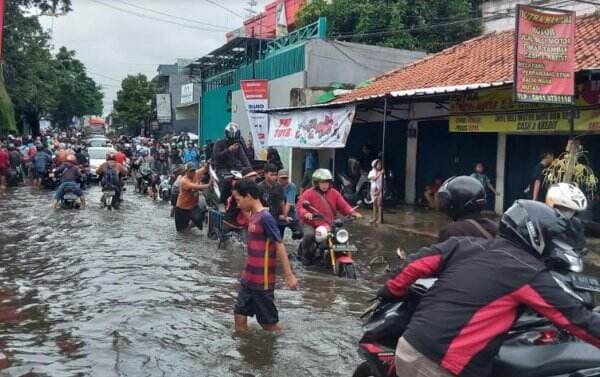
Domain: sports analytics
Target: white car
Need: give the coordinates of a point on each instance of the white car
(97, 158)
(99, 141)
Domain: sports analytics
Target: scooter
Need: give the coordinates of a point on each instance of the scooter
(333, 249)
(534, 346)
(355, 193)
(110, 199)
(50, 181)
(164, 188)
(70, 200)
(146, 180)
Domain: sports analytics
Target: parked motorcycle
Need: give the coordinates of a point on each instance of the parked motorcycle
(356, 192)
(333, 249)
(534, 346)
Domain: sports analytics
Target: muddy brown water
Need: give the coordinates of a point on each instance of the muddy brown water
(97, 293)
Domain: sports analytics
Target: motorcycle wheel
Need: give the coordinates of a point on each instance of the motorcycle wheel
(363, 370)
(347, 271)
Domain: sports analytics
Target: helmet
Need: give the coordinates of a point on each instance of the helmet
(232, 131)
(110, 156)
(321, 175)
(546, 233)
(71, 158)
(460, 196)
(567, 198)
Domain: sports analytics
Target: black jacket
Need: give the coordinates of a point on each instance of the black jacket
(224, 160)
(482, 288)
(466, 228)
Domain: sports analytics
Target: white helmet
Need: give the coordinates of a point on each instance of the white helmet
(566, 197)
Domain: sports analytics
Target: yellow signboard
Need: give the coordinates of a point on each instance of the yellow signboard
(493, 110)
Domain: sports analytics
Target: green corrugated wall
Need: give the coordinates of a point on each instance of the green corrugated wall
(215, 112)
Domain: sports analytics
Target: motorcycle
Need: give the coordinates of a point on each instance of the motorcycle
(50, 181)
(333, 249)
(534, 347)
(355, 192)
(146, 180)
(70, 200)
(110, 199)
(164, 188)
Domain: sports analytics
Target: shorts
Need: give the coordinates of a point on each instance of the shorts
(261, 304)
(37, 174)
(183, 217)
(3, 172)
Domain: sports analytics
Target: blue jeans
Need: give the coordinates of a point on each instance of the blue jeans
(74, 186)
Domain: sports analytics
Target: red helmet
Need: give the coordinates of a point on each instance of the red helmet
(71, 158)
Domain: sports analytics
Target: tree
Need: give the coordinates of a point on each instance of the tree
(133, 105)
(77, 93)
(429, 25)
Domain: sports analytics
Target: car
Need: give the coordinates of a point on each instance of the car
(97, 158)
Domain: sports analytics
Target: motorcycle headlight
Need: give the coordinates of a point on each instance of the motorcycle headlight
(321, 233)
(342, 236)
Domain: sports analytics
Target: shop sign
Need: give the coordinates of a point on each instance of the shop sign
(314, 129)
(256, 98)
(493, 110)
(545, 55)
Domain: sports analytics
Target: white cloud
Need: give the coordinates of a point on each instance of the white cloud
(113, 43)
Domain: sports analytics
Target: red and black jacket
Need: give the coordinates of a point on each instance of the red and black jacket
(482, 288)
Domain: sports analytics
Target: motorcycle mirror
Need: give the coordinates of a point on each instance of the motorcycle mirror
(306, 204)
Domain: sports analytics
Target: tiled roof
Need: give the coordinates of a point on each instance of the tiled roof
(483, 60)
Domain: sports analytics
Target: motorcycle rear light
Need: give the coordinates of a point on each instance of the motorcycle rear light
(546, 337)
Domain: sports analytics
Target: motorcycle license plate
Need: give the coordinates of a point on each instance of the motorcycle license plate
(109, 193)
(345, 248)
(70, 196)
(585, 283)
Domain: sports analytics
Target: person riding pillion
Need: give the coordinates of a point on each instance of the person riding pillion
(70, 177)
(462, 198)
(482, 288)
(328, 202)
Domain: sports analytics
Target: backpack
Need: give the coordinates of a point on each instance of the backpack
(111, 176)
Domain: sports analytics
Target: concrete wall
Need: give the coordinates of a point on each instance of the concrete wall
(500, 14)
(335, 61)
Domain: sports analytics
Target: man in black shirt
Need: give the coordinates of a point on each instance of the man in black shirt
(536, 188)
(272, 194)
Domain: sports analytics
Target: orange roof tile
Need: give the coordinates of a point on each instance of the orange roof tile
(482, 60)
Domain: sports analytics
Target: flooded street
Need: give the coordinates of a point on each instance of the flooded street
(98, 293)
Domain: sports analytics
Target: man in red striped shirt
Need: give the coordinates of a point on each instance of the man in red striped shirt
(265, 247)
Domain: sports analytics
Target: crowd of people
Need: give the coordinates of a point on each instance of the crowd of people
(457, 328)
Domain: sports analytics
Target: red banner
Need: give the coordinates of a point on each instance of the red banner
(545, 56)
(1, 28)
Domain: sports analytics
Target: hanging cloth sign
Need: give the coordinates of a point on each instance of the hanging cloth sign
(256, 98)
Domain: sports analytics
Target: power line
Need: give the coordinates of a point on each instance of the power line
(225, 28)
(225, 8)
(155, 18)
(104, 76)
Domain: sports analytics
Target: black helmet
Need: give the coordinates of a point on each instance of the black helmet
(546, 233)
(460, 196)
(232, 131)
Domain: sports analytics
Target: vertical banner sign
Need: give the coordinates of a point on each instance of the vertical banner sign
(256, 98)
(163, 107)
(545, 56)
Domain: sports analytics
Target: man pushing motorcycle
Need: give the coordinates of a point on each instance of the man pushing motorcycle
(482, 288)
(328, 202)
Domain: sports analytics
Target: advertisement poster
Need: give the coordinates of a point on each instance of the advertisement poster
(187, 93)
(493, 110)
(163, 108)
(324, 128)
(256, 98)
(545, 56)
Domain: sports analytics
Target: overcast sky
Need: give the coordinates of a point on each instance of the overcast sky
(113, 43)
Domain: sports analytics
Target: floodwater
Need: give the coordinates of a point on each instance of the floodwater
(98, 293)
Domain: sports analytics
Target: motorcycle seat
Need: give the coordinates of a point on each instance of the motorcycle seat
(546, 360)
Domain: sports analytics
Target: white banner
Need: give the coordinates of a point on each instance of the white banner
(187, 93)
(322, 128)
(256, 97)
(163, 107)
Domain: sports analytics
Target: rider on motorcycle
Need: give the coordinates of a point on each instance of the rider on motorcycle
(462, 199)
(483, 286)
(112, 173)
(228, 154)
(70, 177)
(328, 202)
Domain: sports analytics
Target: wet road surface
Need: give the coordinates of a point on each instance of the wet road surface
(98, 293)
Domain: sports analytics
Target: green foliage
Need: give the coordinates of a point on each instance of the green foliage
(133, 106)
(40, 84)
(398, 23)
